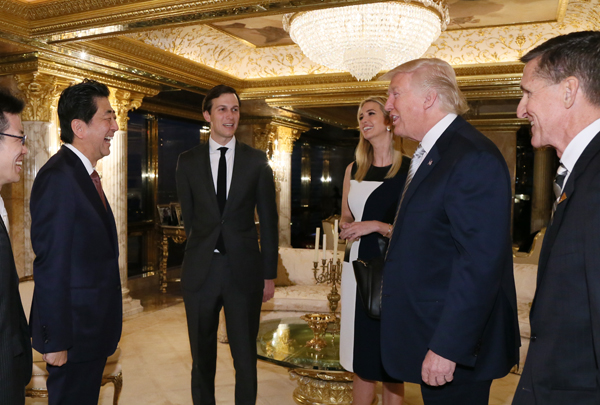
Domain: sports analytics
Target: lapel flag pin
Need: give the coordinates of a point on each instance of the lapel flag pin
(562, 198)
(430, 162)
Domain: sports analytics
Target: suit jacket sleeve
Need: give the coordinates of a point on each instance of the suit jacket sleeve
(7, 327)
(52, 207)
(478, 210)
(266, 207)
(184, 192)
(592, 262)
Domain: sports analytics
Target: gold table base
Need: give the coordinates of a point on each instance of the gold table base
(323, 387)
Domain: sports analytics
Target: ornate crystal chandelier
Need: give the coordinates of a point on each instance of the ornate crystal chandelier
(366, 39)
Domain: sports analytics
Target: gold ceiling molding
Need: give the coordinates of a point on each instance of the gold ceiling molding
(148, 58)
(498, 124)
(63, 16)
(208, 46)
(488, 46)
(509, 43)
(175, 111)
(53, 68)
(33, 63)
(277, 121)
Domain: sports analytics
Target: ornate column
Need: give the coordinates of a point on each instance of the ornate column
(41, 93)
(542, 198)
(278, 141)
(286, 138)
(114, 182)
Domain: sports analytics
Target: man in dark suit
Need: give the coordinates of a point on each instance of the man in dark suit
(449, 317)
(220, 184)
(76, 314)
(561, 99)
(15, 345)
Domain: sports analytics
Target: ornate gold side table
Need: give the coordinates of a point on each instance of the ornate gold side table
(177, 233)
(320, 377)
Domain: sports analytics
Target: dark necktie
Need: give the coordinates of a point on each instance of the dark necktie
(96, 180)
(222, 192)
(559, 181)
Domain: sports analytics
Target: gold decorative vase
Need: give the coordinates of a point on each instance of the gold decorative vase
(318, 324)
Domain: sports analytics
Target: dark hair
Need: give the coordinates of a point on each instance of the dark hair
(78, 102)
(217, 92)
(575, 54)
(9, 104)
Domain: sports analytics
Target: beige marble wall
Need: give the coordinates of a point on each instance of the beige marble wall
(285, 202)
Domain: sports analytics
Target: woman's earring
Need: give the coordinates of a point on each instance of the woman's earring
(389, 129)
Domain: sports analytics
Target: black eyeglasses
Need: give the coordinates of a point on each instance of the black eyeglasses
(22, 138)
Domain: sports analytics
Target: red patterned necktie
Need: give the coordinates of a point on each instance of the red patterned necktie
(96, 180)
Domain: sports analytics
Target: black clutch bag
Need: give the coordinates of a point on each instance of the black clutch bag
(368, 279)
(368, 275)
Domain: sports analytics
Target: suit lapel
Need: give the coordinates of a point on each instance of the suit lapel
(569, 190)
(89, 191)
(239, 165)
(427, 165)
(205, 178)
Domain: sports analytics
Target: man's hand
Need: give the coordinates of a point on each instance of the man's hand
(55, 359)
(269, 290)
(436, 370)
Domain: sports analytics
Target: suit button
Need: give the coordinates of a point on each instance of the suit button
(44, 327)
(533, 338)
(46, 341)
(222, 221)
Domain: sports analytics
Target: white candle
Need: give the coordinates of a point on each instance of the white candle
(336, 237)
(324, 246)
(317, 235)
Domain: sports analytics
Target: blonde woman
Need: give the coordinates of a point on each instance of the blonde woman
(372, 187)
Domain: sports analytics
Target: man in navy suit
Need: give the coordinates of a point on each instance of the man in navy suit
(15, 345)
(76, 314)
(561, 99)
(449, 317)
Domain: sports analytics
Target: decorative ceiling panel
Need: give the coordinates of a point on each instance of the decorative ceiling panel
(492, 45)
(486, 13)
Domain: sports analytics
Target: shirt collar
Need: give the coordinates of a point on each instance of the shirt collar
(576, 147)
(214, 146)
(86, 162)
(436, 131)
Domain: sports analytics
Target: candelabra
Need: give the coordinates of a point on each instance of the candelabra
(331, 274)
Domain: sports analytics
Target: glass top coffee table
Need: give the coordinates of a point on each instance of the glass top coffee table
(320, 377)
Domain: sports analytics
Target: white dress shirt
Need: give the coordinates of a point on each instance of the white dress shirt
(4, 215)
(215, 156)
(576, 147)
(86, 162)
(434, 134)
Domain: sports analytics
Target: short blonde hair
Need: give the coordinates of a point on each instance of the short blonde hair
(364, 150)
(438, 75)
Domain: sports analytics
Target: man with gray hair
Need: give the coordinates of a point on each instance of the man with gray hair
(561, 100)
(448, 311)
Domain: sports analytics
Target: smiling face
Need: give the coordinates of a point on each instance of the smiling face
(541, 105)
(371, 121)
(224, 118)
(405, 103)
(93, 139)
(11, 151)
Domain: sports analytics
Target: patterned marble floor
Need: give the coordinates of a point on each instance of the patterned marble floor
(156, 364)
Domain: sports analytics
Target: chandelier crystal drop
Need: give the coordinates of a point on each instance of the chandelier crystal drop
(368, 38)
